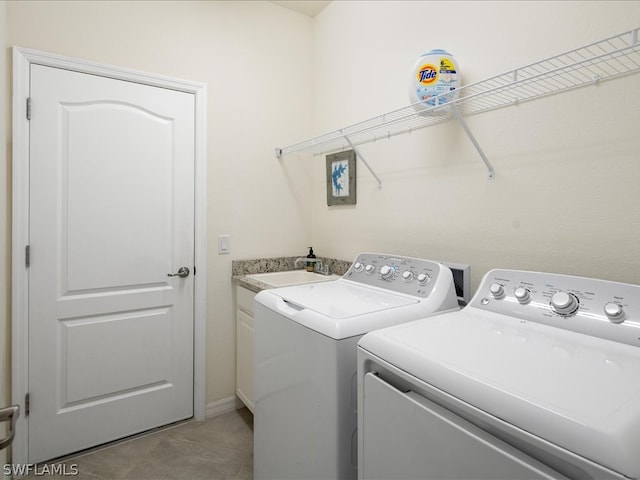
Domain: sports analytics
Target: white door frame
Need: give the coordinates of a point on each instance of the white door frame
(22, 60)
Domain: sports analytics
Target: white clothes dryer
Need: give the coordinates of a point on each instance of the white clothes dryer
(538, 377)
(305, 359)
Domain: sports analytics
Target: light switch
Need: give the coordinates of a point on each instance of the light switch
(224, 244)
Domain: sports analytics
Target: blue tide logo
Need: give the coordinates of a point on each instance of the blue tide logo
(427, 74)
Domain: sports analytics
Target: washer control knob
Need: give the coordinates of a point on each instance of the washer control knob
(423, 278)
(564, 303)
(358, 267)
(407, 275)
(614, 312)
(370, 269)
(523, 295)
(387, 272)
(496, 290)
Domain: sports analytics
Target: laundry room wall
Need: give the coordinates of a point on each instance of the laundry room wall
(565, 196)
(254, 58)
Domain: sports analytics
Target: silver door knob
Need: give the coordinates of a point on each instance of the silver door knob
(9, 414)
(182, 272)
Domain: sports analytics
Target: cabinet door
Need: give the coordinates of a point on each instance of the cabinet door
(244, 358)
(244, 299)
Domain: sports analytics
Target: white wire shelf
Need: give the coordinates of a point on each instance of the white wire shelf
(607, 59)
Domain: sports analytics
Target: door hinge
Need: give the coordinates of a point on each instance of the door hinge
(27, 256)
(27, 405)
(28, 108)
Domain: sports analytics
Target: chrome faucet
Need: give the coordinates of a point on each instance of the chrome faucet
(319, 267)
(299, 260)
(322, 268)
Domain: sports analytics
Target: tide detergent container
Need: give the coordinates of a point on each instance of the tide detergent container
(434, 73)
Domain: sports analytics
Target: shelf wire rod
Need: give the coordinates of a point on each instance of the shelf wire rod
(366, 164)
(464, 125)
(607, 59)
(576, 70)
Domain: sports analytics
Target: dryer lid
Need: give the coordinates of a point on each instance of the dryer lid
(573, 390)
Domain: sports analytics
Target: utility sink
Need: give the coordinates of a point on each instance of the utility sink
(291, 277)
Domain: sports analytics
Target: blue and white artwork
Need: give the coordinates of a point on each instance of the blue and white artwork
(340, 178)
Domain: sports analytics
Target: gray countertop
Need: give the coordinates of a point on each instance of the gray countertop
(241, 268)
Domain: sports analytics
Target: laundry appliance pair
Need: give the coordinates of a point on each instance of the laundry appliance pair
(538, 377)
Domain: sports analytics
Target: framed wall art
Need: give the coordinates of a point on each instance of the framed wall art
(341, 178)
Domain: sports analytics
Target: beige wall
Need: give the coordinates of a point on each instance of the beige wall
(565, 197)
(254, 58)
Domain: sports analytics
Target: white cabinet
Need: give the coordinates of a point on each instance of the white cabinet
(244, 346)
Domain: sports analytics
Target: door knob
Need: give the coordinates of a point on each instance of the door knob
(182, 272)
(9, 414)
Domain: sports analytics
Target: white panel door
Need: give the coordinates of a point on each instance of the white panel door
(111, 215)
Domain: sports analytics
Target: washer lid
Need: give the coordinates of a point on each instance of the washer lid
(342, 299)
(573, 390)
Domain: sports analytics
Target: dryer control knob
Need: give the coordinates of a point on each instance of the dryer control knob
(614, 312)
(496, 290)
(370, 269)
(564, 303)
(358, 267)
(523, 295)
(387, 272)
(423, 278)
(407, 275)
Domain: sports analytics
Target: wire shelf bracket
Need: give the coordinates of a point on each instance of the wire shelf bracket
(362, 159)
(460, 119)
(607, 59)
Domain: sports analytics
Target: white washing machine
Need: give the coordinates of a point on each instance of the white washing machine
(305, 359)
(538, 377)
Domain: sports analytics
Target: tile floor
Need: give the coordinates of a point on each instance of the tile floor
(220, 448)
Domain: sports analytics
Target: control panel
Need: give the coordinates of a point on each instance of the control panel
(594, 307)
(411, 276)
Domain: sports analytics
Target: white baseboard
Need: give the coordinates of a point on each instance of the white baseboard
(222, 406)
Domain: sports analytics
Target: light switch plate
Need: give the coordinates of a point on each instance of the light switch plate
(224, 244)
